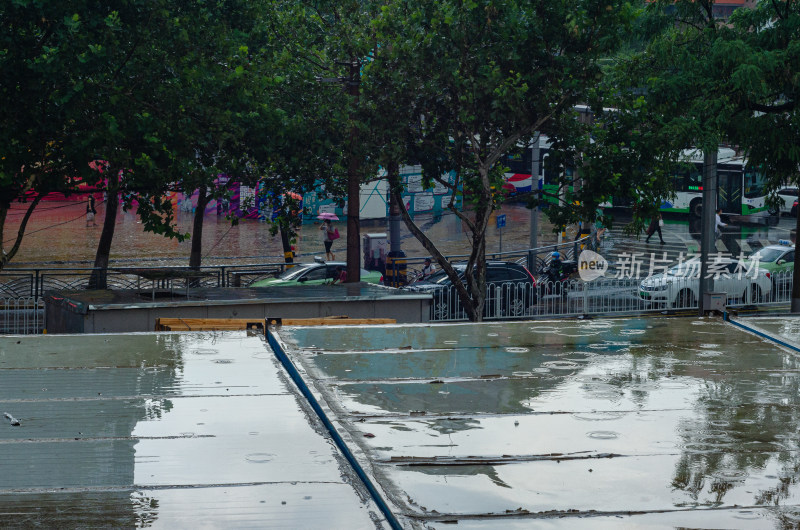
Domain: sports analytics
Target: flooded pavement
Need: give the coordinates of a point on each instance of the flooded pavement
(57, 233)
(654, 423)
(164, 430)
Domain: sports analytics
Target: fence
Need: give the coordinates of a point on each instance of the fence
(21, 316)
(22, 290)
(21, 283)
(613, 296)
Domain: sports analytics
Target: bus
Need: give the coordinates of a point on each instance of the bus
(520, 164)
(740, 189)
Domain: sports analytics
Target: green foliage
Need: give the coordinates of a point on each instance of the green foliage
(456, 85)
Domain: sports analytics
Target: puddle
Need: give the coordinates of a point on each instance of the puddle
(634, 416)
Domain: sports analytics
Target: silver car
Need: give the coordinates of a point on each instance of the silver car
(679, 287)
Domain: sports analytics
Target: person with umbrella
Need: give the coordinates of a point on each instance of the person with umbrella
(328, 234)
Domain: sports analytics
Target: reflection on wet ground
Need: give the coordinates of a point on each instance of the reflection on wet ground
(660, 422)
(163, 430)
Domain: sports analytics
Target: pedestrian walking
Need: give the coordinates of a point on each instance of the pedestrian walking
(600, 228)
(328, 235)
(655, 226)
(719, 224)
(90, 211)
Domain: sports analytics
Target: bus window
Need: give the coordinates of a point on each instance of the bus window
(754, 182)
(694, 180)
(518, 162)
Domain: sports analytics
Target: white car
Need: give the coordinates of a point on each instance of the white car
(788, 201)
(679, 287)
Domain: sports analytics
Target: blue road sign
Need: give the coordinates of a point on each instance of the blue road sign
(501, 221)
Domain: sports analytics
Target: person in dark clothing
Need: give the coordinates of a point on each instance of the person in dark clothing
(90, 211)
(655, 226)
(556, 267)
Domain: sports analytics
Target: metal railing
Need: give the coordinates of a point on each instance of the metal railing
(609, 296)
(22, 283)
(22, 290)
(21, 316)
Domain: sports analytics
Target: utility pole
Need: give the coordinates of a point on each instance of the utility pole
(396, 262)
(353, 184)
(709, 223)
(537, 188)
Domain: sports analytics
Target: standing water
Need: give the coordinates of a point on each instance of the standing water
(58, 232)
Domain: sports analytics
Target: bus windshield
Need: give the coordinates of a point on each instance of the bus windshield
(754, 182)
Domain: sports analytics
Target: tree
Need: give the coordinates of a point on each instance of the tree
(760, 58)
(706, 79)
(330, 41)
(478, 79)
(169, 102)
(40, 146)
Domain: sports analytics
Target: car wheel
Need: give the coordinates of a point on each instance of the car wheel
(685, 299)
(793, 212)
(757, 295)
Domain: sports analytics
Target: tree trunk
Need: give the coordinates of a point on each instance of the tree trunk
(472, 298)
(477, 259)
(99, 278)
(795, 307)
(288, 253)
(6, 256)
(196, 255)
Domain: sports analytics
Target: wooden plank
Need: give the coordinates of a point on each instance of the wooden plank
(226, 324)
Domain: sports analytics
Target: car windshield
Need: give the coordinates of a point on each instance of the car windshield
(687, 269)
(767, 255)
(294, 272)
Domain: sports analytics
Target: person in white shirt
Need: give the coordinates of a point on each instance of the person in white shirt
(719, 224)
(428, 269)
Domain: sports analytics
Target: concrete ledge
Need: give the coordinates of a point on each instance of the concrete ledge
(135, 310)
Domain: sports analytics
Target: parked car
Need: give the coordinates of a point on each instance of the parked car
(511, 291)
(788, 199)
(775, 258)
(679, 287)
(778, 260)
(317, 273)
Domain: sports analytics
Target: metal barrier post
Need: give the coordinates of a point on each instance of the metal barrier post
(585, 298)
(396, 269)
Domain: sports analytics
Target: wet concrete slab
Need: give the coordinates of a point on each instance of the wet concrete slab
(164, 430)
(644, 422)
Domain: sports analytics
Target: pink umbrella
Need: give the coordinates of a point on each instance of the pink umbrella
(328, 216)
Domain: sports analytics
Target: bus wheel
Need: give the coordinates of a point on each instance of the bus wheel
(696, 208)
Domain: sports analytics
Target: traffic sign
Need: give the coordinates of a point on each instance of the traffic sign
(501, 221)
